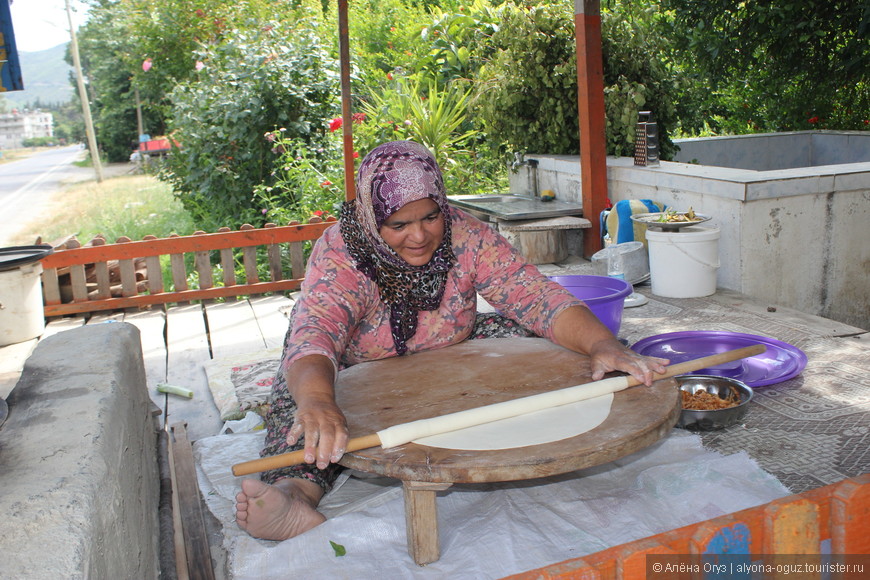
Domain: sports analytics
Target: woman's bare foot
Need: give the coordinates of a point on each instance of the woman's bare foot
(280, 511)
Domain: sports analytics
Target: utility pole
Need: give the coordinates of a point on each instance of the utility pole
(83, 96)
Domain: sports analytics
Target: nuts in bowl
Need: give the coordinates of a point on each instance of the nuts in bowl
(711, 402)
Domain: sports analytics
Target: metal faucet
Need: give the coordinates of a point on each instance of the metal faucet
(532, 164)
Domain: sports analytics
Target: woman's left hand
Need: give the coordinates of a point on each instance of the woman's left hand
(610, 355)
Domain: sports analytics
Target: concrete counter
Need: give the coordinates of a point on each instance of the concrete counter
(78, 461)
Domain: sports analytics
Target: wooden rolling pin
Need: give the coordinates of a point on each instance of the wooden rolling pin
(399, 434)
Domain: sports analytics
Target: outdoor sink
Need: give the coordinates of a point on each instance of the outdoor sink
(495, 199)
(513, 206)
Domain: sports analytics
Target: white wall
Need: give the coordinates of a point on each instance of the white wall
(797, 238)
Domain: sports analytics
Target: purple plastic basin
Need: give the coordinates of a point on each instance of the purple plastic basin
(605, 296)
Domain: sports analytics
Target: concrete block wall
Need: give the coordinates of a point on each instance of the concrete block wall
(78, 461)
(772, 151)
(793, 237)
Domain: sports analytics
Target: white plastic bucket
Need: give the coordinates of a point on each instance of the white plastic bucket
(21, 314)
(683, 263)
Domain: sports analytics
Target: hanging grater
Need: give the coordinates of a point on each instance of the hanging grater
(646, 141)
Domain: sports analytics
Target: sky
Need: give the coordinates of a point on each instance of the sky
(43, 24)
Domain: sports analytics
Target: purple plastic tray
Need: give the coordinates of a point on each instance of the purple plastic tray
(780, 362)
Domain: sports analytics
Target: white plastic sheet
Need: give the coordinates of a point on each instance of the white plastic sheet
(489, 530)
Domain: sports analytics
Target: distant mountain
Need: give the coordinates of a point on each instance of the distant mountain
(46, 79)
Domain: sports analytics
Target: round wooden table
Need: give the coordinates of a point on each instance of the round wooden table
(380, 394)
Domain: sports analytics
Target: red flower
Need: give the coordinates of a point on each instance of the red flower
(813, 120)
(389, 76)
(318, 213)
(200, 13)
(335, 124)
(325, 183)
(359, 118)
(356, 153)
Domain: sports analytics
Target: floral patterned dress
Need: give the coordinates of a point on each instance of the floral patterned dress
(340, 315)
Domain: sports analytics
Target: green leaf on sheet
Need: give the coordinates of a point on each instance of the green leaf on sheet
(339, 549)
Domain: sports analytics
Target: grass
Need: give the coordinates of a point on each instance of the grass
(9, 155)
(132, 206)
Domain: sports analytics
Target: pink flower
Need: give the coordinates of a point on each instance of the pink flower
(359, 118)
(199, 65)
(335, 124)
(265, 211)
(146, 64)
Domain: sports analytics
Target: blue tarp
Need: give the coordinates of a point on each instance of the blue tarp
(10, 69)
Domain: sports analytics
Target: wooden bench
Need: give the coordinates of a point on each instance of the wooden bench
(129, 274)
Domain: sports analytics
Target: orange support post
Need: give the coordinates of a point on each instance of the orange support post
(590, 101)
(346, 112)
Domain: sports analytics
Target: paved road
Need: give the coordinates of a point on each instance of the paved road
(27, 185)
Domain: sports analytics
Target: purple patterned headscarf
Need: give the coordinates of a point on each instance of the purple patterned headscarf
(391, 176)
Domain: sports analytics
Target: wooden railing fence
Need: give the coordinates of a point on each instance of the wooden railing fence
(101, 276)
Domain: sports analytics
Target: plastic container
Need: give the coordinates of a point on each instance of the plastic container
(683, 263)
(635, 261)
(21, 313)
(605, 296)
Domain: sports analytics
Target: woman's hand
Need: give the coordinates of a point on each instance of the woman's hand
(578, 329)
(323, 427)
(610, 355)
(318, 419)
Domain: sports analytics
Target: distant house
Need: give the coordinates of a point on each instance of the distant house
(15, 127)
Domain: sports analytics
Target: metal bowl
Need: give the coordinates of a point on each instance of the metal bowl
(719, 418)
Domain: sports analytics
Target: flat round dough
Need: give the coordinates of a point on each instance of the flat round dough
(535, 428)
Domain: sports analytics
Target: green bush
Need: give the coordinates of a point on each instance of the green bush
(252, 84)
(305, 181)
(39, 142)
(527, 94)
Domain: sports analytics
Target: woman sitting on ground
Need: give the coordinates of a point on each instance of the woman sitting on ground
(400, 273)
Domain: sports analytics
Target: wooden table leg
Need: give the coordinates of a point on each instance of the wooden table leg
(421, 520)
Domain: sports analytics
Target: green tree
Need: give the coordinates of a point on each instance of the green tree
(780, 64)
(104, 47)
(254, 83)
(527, 93)
(134, 53)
